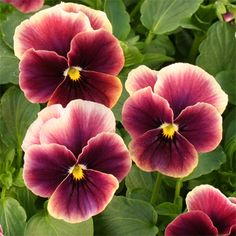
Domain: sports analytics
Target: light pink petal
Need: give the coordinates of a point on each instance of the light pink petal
(183, 84)
(40, 74)
(106, 153)
(81, 121)
(45, 167)
(98, 19)
(212, 202)
(144, 111)
(233, 200)
(76, 201)
(51, 29)
(26, 6)
(140, 77)
(201, 125)
(33, 132)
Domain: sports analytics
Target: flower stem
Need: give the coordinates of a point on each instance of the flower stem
(19, 157)
(156, 189)
(178, 187)
(136, 9)
(149, 37)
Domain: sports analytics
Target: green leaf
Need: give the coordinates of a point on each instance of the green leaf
(9, 25)
(218, 49)
(207, 163)
(229, 125)
(12, 217)
(127, 217)
(119, 18)
(17, 114)
(164, 16)
(155, 59)
(227, 80)
(167, 209)
(43, 224)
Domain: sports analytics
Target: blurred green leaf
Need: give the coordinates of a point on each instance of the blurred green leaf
(218, 49)
(229, 125)
(155, 59)
(207, 163)
(227, 80)
(164, 16)
(119, 18)
(43, 224)
(167, 209)
(12, 217)
(17, 114)
(127, 217)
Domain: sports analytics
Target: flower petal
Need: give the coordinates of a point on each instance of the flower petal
(96, 50)
(45, 167)
(191, 223)
(182, 85)
(140, 77)
(26, 6)
(201, 125)
(152, 152)
(40, 74)
(32, 134)
(93, 86)
(106, 153)
(98, 19)
(144, 111)
(81, 121)
(84, 198)
(51, 29)
(212, 202)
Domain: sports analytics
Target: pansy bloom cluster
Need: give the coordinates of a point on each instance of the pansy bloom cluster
(209, 213)
(74, 157)
(172, 115)
(68, 52)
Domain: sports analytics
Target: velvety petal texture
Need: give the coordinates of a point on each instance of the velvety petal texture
(140, 77)
(183, 84)
(213, 203)
(26, 6)
(193, 223)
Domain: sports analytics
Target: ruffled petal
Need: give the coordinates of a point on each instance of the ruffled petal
(144, 111)
(212, 202)
(106, 153)
(201, 125)
(40, 74)
(32, 134)
(45, 167)
(140, 77)
(81, 121)
(98, 19)
(173, 157)
(182, 85)
(97, 51)
(191, 223)
(51, 29)
(26, 6)
(93, 86)
(84, 198)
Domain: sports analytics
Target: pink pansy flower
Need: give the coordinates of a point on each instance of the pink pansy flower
(209, 213)
(171, 121)
(26, 6)
(75, 159)
(67, 52)
(1, 232)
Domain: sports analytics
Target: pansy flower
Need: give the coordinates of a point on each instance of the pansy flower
(67, 52)
(209, 213)
(174, 119)
(76, 159)
(1, 232)
(26, 6)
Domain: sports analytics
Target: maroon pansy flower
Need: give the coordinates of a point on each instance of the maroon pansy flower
(67, 52)
(26, 6)
(75, 159)
(209, 213)
(179, 118)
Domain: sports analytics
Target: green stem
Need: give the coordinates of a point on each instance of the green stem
(99, 5)
(3, 193)
(19, 157)
(178, 187)
(194, 49)
(156, 189)
(136, 9)
(149, 37)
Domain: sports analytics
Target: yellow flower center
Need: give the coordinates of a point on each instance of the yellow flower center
(168, 130)
(74, 73)
(77, 172)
